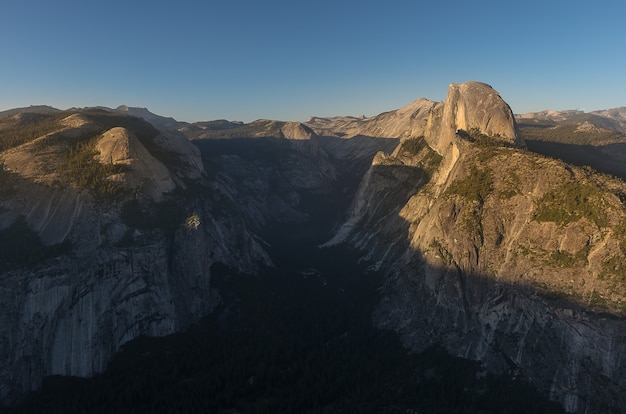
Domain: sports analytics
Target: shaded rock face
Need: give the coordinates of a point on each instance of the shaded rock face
(51, 215)
(140, 264)
(69, 315)
(473, 263)
(573, 357)
(293, 181)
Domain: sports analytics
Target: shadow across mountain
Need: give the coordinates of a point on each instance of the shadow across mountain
(297, 187)
(609, 159)
(299, 336)
(296, 338)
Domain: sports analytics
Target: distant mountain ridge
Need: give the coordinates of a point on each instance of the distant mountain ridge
(114, 221)
(34, 109)
(612, 119)
(596, 139)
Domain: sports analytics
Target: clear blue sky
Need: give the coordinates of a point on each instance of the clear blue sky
(288, 60)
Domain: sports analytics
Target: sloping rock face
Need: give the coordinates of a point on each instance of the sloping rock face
(138, 264)
(408, 121)
(141, 262)
(296, 130)
(498, 254)
(119, 146)
(162, 123)
(51, 213)
(284, 173)
(617, 114)
(69, 315)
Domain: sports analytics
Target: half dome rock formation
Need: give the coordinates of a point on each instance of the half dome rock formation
(471, 106)
(498, 254)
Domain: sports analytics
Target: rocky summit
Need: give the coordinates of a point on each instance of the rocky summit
(117, 224)
(501, 254)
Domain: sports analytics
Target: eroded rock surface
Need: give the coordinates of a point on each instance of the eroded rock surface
(137, 264)
(498, 254)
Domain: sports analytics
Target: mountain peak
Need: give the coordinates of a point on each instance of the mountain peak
(471, 105)
(160, 122)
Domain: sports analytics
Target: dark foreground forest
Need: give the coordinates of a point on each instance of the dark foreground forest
(298, 339)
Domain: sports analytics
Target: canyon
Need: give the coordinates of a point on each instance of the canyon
(485, 247)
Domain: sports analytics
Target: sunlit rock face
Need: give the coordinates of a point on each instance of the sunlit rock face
(121, 147)
(475, 263)
(471, 105)
(408, 121)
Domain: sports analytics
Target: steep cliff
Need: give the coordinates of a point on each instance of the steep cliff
(116, 226)
(111, 229)
(470, 105)
(499, 254)
(104, 240)
(286, 173)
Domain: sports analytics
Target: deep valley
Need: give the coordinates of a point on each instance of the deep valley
(443, 257)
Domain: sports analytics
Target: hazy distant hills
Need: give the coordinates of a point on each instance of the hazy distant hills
(608, 119)
(596, 139)
(33, 109)
(615, 113)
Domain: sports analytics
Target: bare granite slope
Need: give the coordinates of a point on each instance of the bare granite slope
(121, 147)
(408, 121)
(498, 254)
(100, 269)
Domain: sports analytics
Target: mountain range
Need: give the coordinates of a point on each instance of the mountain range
(456, 225)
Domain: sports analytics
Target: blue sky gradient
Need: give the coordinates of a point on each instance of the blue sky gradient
(288, 60)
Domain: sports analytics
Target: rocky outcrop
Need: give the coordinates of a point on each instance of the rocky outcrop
(296, 130)
(145, 173)
(140, 264)
(136, 265)
(498, 254)
(408, 121)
